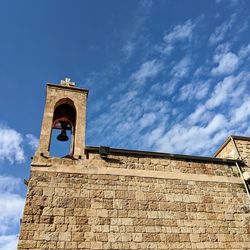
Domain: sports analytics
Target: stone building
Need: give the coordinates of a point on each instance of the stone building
(108, 198)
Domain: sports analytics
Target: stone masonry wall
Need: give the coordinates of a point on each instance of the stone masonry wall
(114, 211)
(243, 147)
(163, 164)
(58, 95)
(228, 151)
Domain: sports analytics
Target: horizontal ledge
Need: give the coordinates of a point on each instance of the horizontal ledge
(67, 87)
(137, 173)
(166, 155)
(239, 137)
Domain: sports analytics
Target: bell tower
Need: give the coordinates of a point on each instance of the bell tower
(65, 111)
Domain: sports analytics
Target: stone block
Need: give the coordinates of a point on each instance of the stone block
(65, 236)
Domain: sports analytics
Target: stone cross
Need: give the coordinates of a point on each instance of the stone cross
(67, 82)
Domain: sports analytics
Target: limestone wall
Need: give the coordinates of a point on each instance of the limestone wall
(243, 147)
(128, 202)
(62, 94)
(228, 151)
(162, 164)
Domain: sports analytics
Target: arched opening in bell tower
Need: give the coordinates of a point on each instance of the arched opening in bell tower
(63, 129)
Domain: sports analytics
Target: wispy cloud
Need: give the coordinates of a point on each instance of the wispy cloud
(206, 123)
(135, 39)
(229, 90)
(9, 184)
(191, 91)
(128, 49)
(244, 26)
(11, 211)
(12, 144)
(32, 141)
(147, 70)
(182, 138)
(244, 51)
(147, 120)
(241, 113)
(221, 30)
(227, 63)
(11, 207)
(8, 242)
(182, 68)
(11, 148)
(179, 33)
(193, 95)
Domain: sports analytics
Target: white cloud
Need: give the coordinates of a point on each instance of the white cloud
(198, 124)
(182, 138)
(11, 145)
(8, 242)
(209, 122)
(221, 31)
(147, 120)
(242, 113)
(193, 91)
(186, 92)
(9, 184)
(32, 141)
(11, 207)
(244, 51)
(202, 90)
(153, 136)
(130, 115)
(206, 123)
(222, 48)
(216, 123)
(227, 63)
(197, 114)
(182, 68)
(231, 87)
(147, 70)
(126, 98)
(229, 90)
(180, 32)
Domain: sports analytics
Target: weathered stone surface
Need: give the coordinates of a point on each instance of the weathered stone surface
(126, 212)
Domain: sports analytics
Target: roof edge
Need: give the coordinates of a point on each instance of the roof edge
(222, 146)
(237, 137)
(67, 87)
(160, 154)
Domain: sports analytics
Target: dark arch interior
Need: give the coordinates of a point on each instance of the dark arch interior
(64, 112)
(64, 118)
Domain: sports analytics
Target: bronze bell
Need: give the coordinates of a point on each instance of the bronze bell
(62, 136)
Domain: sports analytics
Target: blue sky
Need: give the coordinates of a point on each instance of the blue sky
(169, 76)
